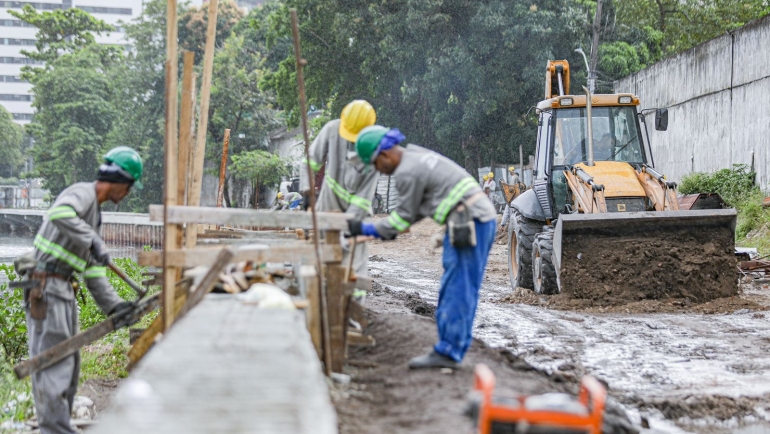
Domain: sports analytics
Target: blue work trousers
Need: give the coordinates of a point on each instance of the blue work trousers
(459, 293)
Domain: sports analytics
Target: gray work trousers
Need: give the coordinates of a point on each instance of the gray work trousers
(54, 388)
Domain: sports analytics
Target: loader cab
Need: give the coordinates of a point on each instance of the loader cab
(562, 139)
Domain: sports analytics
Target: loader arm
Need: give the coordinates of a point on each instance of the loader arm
(589, 195)
(660, 192)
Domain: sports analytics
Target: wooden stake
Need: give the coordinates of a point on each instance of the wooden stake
(223, 169)
(171, 159)
(186, 123)
(303, 110)
(196, 175)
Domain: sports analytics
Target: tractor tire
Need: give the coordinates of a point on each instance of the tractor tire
(544, 272)
(521, 235)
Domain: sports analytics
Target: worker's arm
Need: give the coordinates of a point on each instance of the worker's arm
(361, 199)
(97, 283)
(411, 190)
(317, 152)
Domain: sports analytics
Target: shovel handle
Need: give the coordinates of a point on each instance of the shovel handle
(141, 292)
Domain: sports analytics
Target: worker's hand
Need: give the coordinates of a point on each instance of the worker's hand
(355, 227)
(123, 306)
(99, 251)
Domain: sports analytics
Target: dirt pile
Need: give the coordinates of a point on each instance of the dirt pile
(611, 270)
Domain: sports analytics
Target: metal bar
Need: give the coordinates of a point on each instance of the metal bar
(223, 169)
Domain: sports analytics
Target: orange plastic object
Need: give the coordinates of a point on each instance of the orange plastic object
(592, 396)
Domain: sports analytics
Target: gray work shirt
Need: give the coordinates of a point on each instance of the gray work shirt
(431, 185)
(65, 239)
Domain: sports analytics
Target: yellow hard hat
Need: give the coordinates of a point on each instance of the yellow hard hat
(485, 177)
(491, 175)
(279, 195)
(356, 116)
(511, 169)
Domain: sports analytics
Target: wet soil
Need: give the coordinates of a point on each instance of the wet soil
(608, 269)
(675, 365)
(384, 395)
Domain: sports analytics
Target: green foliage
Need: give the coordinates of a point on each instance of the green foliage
(60, 32)
(261, 168)
(736, 186)
(13, 319)
(75, 114)
(90, 313)
(194, 23)
(11, 144)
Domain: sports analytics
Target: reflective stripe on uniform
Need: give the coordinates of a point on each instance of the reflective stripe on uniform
(313, 165)
(397, 222)
(61, 212)
(59, 252)
(94, 272)
(457, 193)
(348, 197)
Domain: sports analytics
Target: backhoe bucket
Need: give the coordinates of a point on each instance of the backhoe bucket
(616, 258)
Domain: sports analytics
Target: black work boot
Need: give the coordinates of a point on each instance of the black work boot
(433, 360)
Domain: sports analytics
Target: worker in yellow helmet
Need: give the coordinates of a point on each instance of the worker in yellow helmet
(347, 187)
(489, 184)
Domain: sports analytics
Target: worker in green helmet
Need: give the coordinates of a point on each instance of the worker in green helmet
(68, 242)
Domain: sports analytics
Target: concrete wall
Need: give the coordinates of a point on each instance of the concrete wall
(719, 110)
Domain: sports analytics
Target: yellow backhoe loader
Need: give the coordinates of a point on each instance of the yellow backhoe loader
(600, 222)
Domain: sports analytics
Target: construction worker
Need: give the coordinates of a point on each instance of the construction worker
(293, 201)
(279, 203)
(484, 181)
(430, 184)
(348, 187)
(490, 185)
(69, 242)
(513, 176)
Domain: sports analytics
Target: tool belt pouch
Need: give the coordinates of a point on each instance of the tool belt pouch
(38, 305)
(460, 227)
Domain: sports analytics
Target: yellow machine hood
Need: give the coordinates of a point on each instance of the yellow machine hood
(619, 178)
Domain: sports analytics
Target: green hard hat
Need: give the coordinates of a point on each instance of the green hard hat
(368, 142)
(128, 160)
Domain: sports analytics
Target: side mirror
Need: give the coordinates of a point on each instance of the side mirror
(661, 119)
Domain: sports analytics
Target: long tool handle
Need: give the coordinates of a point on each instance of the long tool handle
(63, 349)
(141, 292)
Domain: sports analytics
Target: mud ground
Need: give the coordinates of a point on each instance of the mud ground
(675, 365)
(385, 396)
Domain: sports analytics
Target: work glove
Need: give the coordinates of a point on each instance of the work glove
(99, 251)
(355, 227)
(123, 306)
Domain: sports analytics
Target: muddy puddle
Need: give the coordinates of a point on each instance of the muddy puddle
(673, 372)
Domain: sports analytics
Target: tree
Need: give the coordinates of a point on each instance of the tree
(237, 102)
(59, 32)
(194, 23)
(261, 168)
(11, 142)
(75, 113)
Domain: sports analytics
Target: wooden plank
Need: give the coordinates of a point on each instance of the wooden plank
(356, 312)
(308, 279)
(301, 253)
(145, 341)
(171, 158)
(186, 124)
(223, 170)
(249, 217)
(360, 340)
(196, 174)
(336, 298)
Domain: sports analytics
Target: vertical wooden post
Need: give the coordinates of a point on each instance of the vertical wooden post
(170, 192)
(223, 169)
(196, 172)
(336, 306)
(186, 123)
